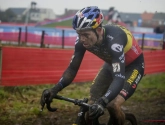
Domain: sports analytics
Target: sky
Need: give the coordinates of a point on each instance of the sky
(58, 6)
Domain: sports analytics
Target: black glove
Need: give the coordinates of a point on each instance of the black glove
(97, 109)
(49, 94)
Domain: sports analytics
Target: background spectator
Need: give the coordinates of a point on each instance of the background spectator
(113, 16)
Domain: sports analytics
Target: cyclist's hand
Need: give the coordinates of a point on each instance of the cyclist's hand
(95, 111)
(48, 95)
(44, 98)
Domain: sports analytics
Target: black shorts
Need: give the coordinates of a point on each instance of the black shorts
(133, 74)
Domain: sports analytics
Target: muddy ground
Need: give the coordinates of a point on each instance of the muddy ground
(153, 109)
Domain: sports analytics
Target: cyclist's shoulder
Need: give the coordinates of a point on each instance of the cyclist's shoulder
(111, 26)
(113, 30)
(115, 27)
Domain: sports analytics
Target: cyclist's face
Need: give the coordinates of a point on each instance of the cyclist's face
(88, 38)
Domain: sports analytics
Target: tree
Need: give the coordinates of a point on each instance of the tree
(10, 15)
(7, 16)
(3, 16)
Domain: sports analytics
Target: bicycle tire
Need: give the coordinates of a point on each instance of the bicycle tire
(131, 118)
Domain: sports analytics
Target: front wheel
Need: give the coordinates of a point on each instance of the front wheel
(130, 119)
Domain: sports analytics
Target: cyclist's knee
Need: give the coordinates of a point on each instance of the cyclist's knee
(114, 108)
(116, 103)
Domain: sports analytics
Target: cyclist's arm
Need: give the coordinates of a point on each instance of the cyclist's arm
(70, 73)
(116, 50)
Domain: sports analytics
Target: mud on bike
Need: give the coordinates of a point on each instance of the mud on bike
(130, 119)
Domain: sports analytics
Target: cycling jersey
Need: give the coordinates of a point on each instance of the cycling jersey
(117, 38)
(118, 49)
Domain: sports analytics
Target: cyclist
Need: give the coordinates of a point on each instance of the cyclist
(119, 76)
(113, 16)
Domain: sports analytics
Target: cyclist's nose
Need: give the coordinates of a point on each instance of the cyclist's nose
(82, 39)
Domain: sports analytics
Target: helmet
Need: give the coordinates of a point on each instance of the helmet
(88, 18)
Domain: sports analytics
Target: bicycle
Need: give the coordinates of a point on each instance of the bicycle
(130, 119)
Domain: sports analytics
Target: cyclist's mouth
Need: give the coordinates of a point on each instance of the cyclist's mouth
(86, 45)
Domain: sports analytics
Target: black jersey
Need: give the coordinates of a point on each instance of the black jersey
(118, 49)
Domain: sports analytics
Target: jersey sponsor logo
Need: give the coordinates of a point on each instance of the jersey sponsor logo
(79, 114)
(121, 76)
(143, 65)
(135, 49)
(61, 80)
(110, 37)
(138, 79)
(122, 58)
(108, 93)
(133, 76)
(72, 58)
(117, 47)
(116, 67)
(134, 86)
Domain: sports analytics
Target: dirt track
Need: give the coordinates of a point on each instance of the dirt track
(149, 106)
(148, 110)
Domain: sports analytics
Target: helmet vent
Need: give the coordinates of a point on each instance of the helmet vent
(97, 15)
(80, 21)
(85, 24)
(90, 16)
(86, 11)
(93, 24)
(95, 10)
(75, 20)
(82, 9)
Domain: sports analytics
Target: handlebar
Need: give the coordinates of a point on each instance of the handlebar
(75, 101)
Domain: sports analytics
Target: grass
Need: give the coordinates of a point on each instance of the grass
(150, 86)
(18, 104)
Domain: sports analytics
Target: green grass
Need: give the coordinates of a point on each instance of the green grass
(150, 86)
(22, 103)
